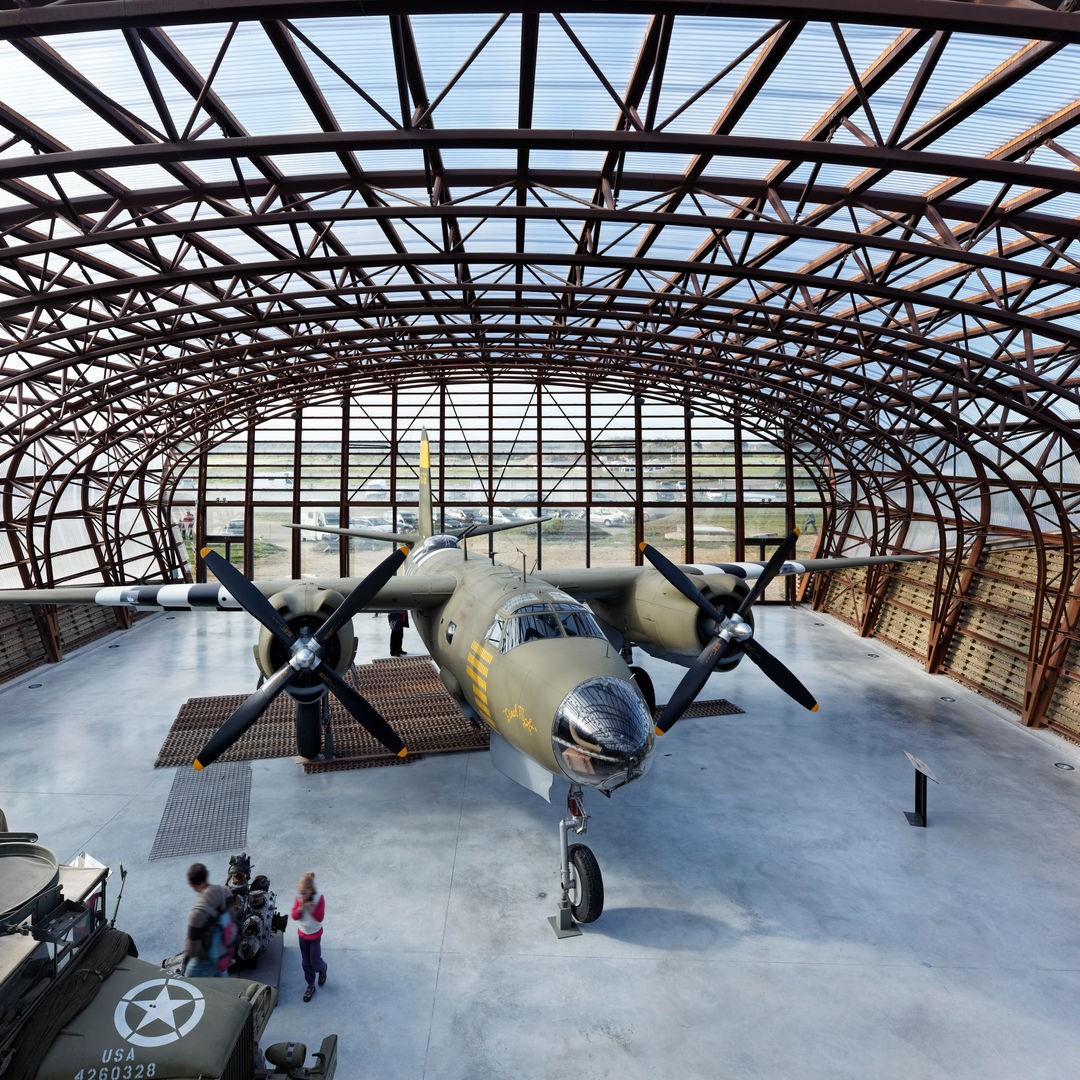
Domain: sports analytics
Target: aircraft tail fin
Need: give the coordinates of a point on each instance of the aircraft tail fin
(425, 525)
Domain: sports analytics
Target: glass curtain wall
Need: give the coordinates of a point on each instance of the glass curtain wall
(607, 469)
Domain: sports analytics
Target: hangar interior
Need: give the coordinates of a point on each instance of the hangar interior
(692, 275)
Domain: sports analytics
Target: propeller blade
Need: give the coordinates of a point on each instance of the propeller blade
(780, 674)
(680, 580)
(695, 678)
(360, 595)
(246, 715)
(248, 596)
(780, 556)
(362, 710)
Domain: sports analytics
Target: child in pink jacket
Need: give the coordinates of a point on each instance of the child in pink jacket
(308, 911)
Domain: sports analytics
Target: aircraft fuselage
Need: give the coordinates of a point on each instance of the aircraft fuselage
(532, 663)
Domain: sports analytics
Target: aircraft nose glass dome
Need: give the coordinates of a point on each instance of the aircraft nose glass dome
(603, 734)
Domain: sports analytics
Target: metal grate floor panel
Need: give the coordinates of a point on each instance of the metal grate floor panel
(205, 811)
(406, 691)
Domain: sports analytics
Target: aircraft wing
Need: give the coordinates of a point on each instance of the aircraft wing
(413, 593)
(598, 582)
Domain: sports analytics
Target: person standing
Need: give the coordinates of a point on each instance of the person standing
(213, 901)
(398, 621)
(308, 910)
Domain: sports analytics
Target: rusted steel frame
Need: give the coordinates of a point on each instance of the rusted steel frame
(639, 480)
(76, 84)
(538, 396)
(421, 118)
(312, 94)
(249, 493)
(753, 81)
(281, 38)
(1017, 147)
(530, 33)
(198, 87)
(239, 381)
(922, 251)
(121, 395)
(886, 66)
(168, 366)
(47, 624)
(878, 579)
(236, 384)
(918, 85)
(688, 480)
(150, 80)
(892, 159)
(1046, 673)
(653, 45)
(959, 307)
(217, 192)
(489, 479)
(295, 549)
(164, 371)
(344, 544)
(20, 554)
(1021, 22)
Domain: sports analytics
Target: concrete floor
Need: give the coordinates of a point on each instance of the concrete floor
(770, 911)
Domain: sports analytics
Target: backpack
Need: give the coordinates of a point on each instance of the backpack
(222, 947)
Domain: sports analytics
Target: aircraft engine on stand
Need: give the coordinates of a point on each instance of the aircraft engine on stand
(256, 914)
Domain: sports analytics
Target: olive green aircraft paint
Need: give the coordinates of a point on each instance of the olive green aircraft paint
(515, 692)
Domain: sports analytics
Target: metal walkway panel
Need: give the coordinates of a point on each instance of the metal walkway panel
(205, 811)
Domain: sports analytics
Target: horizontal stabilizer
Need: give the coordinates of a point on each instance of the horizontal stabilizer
(412, 538)
(409, 538)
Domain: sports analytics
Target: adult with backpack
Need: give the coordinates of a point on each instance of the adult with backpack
(308, 911)
(211, 932)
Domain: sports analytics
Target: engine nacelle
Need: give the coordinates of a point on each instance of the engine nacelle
(305, 608)
(658, 618)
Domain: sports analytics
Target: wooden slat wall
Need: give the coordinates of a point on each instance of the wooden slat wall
(20, 642)
(904, 621)
(21, 647)
(1064, 711)
(990, 646)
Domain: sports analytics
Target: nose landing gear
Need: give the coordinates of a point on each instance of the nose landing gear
(582, 898)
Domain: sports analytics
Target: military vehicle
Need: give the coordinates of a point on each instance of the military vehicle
(76, 1002)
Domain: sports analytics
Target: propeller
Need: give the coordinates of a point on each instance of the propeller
(733, 634)
(306, 654)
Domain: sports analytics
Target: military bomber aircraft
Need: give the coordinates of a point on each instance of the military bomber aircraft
(538, 658)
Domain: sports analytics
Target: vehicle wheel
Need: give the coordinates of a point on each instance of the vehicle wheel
(309, 728)
(645, 685)
(586, 885)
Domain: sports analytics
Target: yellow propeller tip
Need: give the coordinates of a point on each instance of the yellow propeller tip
(404, 549)
(816, 707)
(642, 546)
(198, 765)
(205, 551)
(659, 731)
(403, 751)
(797, 533)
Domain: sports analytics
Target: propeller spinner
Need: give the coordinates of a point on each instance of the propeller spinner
(733, 635)
(305, 655)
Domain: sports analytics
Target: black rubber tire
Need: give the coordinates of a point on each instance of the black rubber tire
(587, 886)
(645, 685)
(309, 728)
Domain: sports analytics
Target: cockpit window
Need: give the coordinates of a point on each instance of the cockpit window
(432, 544)
(535, 622)
(530, 627)
(494, 634)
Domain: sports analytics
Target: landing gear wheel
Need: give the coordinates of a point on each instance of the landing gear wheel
(309, 728)
(586, 885)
